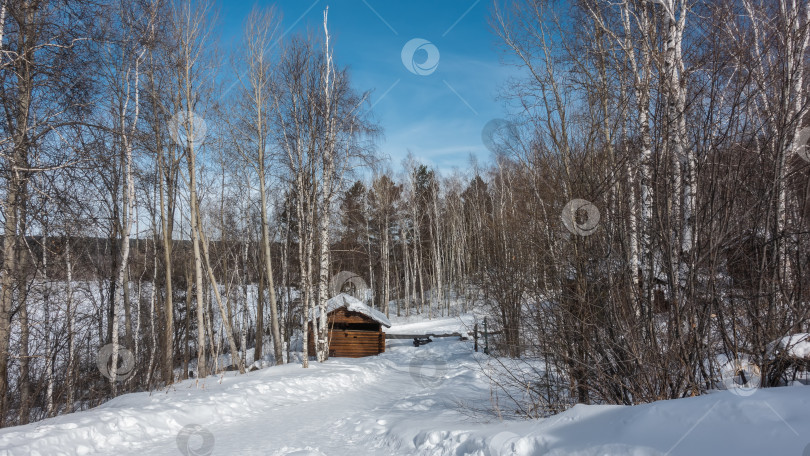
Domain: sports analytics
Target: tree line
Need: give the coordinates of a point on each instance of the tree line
(139, 174)
(642, 222)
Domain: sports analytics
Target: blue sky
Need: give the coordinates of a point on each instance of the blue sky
(438, 116)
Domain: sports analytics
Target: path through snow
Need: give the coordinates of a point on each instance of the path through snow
(404, 402)
(352, 419)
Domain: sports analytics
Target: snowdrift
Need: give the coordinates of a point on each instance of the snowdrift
(430, 400)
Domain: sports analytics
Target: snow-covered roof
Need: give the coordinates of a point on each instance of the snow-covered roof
(353, 304)
(797, 345)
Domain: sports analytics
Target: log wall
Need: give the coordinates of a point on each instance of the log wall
(352, 343)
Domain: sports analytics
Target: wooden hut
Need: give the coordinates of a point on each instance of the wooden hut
(355, 329)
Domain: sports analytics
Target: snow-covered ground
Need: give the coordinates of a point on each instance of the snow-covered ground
(416, 324)
(430, 400)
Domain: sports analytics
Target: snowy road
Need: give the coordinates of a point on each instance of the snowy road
(343, 406)
(353, 420)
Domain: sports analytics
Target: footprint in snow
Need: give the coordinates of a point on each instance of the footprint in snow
(299, 452)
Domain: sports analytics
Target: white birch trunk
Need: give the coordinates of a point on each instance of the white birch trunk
(245, 318)
(49, 407)
(406, 298)
(796, 42)
(643, 166)
(260, 29)
(71, 381)
(136, 340)
(438, 266)
(386, 261)
(322, 349)
(152, 301)
(682, 201)
(2, 22)
(129, 203)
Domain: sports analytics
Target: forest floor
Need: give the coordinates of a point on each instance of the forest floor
(428, 400)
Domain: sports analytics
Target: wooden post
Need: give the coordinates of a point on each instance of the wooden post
(475, 337)
(486, 338)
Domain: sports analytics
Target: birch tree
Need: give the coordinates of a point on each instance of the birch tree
(326, 191)
(192, 35)
(156, 117)
(779, 63)
(260, 37)
(40, 50)
(129, 75)
(292, 107)
(383, 199)
(684, 184)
